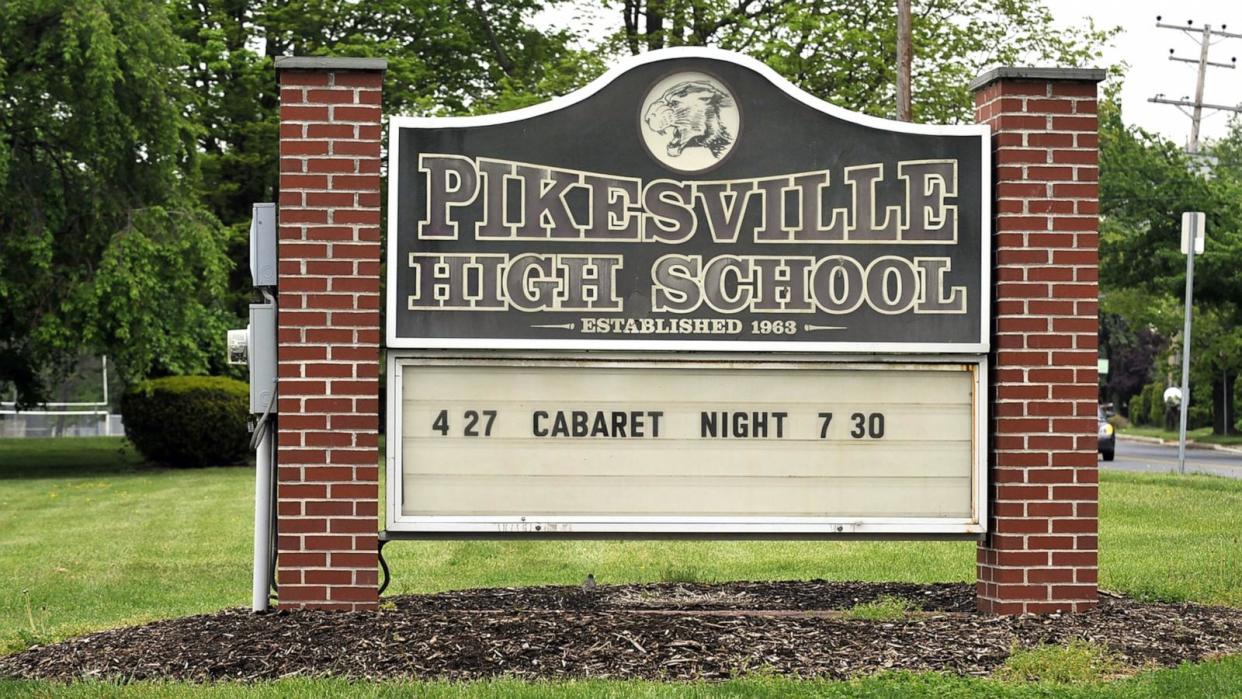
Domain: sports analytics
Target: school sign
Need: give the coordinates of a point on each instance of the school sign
(691, 300)
(690, 203)
(693, 204)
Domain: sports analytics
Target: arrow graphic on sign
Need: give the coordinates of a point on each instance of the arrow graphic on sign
(562, 326)
(808, 327)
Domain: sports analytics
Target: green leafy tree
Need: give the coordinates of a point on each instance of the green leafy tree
(444, 57)
(1146, 183)
(103, 248)
(844, 51)
(1225, 348)
(1133, 352)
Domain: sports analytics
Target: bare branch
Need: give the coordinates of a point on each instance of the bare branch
(502, 58)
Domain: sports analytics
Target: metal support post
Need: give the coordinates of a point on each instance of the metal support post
(1190, 283)
(262, 521)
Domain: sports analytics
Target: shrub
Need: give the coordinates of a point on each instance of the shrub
(1200, 413)
(188, 421)
(1155, 404)
(1147, 406)
(1138, 408)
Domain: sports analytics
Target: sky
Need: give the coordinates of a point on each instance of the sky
(1146, 49)
(1140, 44)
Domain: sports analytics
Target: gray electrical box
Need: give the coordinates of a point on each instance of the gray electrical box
(263, 244)
(262, 356)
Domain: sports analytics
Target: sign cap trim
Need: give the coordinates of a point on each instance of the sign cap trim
(680, 52)
(1085, 75)
(329, 63)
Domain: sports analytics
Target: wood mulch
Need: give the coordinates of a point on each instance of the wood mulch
(665, 631)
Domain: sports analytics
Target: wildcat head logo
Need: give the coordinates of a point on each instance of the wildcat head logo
(691, 112)
(689, 121)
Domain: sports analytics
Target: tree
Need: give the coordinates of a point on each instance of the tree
(1133, 353)
(1146, 182)
(1225, 347)
(444, 57)
(844, 51)
(102, 245)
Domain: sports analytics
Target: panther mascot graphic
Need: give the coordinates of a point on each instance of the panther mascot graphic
(691, 110)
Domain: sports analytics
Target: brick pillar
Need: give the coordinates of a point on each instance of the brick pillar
(1040, 555)
(328, 332)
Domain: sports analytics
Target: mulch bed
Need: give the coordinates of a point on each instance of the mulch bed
(661, 631)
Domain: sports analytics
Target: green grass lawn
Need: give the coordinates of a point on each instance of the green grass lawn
(1218, 680)
(90, 538)
(1202, 435)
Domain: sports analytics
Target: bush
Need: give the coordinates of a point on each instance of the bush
(1200, 413)
(188, 421)
(1138, 408)
(1155, 404)
(1147, 406)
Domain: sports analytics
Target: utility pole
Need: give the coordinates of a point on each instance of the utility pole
(1192, 222)
(904, 49)
(1204, 37)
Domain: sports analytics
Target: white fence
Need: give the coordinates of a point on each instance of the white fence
(60, 421)
(81, 419)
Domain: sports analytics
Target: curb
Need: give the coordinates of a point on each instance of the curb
(1139, 438)
(1190, 443)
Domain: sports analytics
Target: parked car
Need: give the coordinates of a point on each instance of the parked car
(1107, 436)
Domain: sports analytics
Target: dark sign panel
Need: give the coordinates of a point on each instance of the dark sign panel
(692, 201)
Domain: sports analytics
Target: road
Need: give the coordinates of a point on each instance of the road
(1159, 458)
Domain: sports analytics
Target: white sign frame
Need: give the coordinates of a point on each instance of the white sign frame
(982, 131)
(500, 527)
(1194, 223)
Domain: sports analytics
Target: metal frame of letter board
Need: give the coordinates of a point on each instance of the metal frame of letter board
(634, 527)
(397, 123)
(413, 352)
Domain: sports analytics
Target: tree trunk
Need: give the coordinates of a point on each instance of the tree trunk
(655, 24)
(700, 25)
(629, 15)
(1223, 414)
(677, 30)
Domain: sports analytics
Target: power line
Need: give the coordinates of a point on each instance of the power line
(1204, 37)
(1192, 222)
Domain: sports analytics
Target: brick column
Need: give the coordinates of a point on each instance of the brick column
(1040, 555)
(328, 332)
